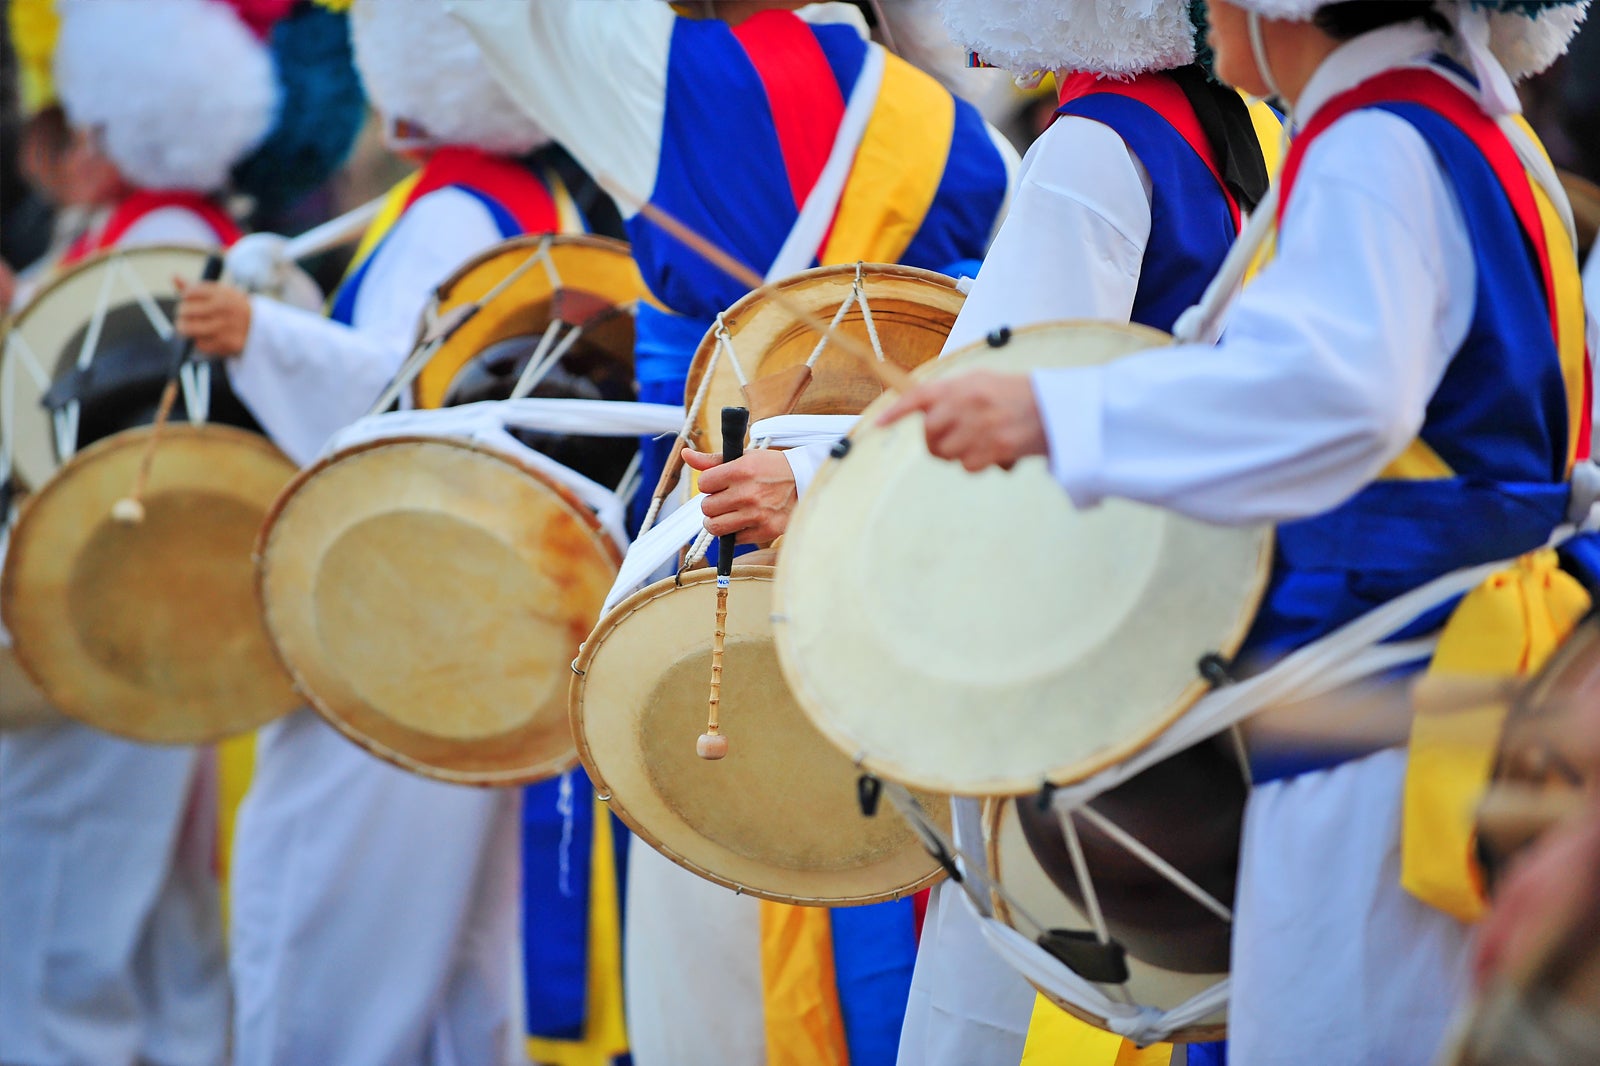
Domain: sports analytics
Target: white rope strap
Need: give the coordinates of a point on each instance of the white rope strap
(725, 342)
(860, 292)
(838, 316)
(141, 295)
(1080, 871)
(1132, 846)
(540, 362)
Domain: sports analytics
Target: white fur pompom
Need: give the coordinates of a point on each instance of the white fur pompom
(1104, 36)
(421, 65)
(180, 89)
(1525, 46)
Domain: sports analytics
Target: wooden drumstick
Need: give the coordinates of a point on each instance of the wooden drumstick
(712, 744)
(889, 375)
(130, 509)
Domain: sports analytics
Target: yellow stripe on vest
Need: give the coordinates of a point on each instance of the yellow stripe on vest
(394, 204)
(236, 760)
(1506, 627)
(1056, 1038)
(897, 169)
(605, 1034)
(800, 993)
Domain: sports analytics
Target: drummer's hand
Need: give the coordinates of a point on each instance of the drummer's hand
(215, 316)
(752, 496)
(979, 420)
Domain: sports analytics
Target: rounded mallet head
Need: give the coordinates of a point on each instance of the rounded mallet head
(711, 746)
(127, 511)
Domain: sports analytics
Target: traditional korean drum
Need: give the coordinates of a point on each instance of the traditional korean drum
(148, 630)
(428, 581)
(780, 817)
(921, 644)
(957, 668)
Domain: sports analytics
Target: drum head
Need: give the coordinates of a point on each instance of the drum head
(976, 634)
(37, 347)
(151, 631)
(428, 597)
(779, 817)
(591, 280)
(912, 311)
(1013, 866)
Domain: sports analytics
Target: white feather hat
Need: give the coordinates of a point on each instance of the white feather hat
(1526, 36)
(179, 90)
(422, 66)
(1104, 36)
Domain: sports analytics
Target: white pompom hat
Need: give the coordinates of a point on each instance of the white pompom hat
(422, 67)
(178, 90)
(1119, 37)
(1526, 36)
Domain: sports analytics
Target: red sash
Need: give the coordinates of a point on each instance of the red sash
(506, 182)
(141, 203)
(1438, 94)
(802, 93)
(1157, 91)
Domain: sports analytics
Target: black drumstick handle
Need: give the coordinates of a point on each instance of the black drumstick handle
(212, 271)
(735, 423)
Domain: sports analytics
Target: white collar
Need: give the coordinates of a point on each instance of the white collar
(1406, 45)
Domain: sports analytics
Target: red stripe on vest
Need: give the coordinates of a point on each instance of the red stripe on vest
(1432, 90)
(136, 206)
(506, 182)
(1157, 91)
(802, 93)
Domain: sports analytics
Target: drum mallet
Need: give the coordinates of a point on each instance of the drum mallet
(130, 510)
(712, 744)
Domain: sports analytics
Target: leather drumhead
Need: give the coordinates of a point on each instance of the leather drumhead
(778, 817)
(151, 631)
(37, 348)
(594, 274)
(976, 634)
(912, 311)
(429, 596)
(1013, 867)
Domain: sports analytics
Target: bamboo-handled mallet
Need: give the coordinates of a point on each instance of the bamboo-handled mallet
(712, 744)
(130, 509)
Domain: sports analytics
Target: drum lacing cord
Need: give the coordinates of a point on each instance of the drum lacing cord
(440, 328)
(693, 414)
(17, 352)
(196, 381)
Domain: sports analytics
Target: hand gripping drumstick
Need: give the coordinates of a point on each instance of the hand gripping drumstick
(712, 744)
(130, 509)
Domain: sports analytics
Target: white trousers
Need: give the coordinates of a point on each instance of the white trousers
(692, 965)
(1333, 962)
(110, 928)
(967, 1007)
(374, 912)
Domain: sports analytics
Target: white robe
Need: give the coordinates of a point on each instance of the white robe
(110, 925)
(375, 912)
(1072, 246)
(1322, 377)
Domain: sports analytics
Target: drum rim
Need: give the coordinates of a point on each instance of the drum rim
(134, 437)
(58, 279)
(542, 771)
(575, 710)
(735, 316)
(993, 814)
(816, 708)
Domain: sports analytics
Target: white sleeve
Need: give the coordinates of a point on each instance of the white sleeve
(593, 73)
(1072, 245)
(305, 377)
(1326, 365)
(170, 225)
